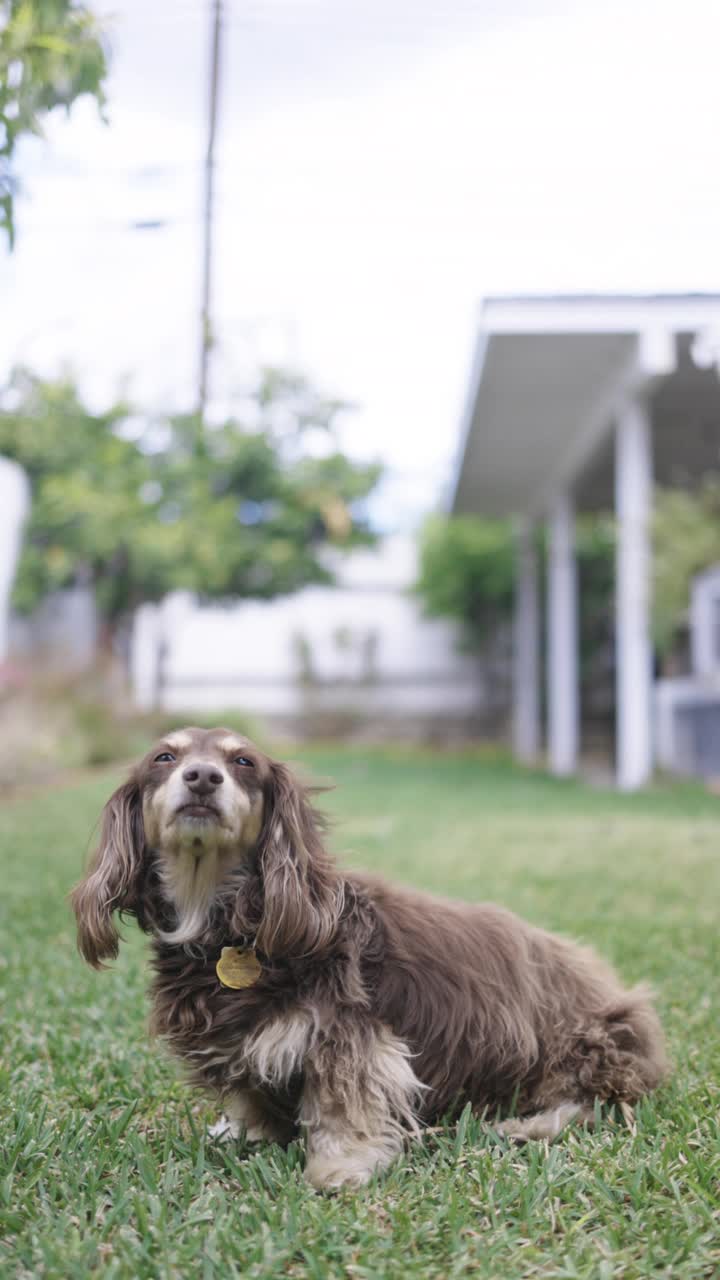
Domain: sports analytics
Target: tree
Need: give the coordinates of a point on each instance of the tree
(51, 54)
(137, 508)
(467, 569)
(467, 572)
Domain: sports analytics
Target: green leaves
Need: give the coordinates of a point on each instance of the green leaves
(51, 53)
(467, 572)
(141, 508)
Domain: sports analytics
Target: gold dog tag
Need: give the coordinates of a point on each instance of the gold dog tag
(238, 967)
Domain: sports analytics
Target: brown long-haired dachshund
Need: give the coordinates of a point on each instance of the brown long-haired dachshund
(309, 999)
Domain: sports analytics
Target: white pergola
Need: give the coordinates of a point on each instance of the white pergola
(578, 403)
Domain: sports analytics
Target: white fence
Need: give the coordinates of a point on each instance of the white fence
(361, 649)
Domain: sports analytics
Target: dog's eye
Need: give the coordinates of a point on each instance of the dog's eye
(243, 760)
(165, 757)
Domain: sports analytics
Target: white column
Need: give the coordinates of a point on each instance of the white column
(526, 649)
(633, 500)
(562, 657)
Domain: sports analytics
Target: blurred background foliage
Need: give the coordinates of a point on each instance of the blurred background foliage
(51, 53)
(467, 570)
(52, 725)
(136, 507)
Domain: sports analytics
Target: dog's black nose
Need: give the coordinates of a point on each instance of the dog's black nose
(202, 778)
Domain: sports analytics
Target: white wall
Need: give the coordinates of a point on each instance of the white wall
(362, 647)
(61, 635)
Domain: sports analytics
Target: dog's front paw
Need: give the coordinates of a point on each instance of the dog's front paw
(265, 1131)
(331, 1173)
(224, 1129)
(227, 1130)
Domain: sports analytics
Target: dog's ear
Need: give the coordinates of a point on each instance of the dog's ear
(111, 882)
(302, 891)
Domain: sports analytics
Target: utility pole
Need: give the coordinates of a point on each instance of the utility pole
(207, 337)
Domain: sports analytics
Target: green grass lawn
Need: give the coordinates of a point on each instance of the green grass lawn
(104, 1164)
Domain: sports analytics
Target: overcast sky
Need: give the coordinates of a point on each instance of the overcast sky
(382, 165)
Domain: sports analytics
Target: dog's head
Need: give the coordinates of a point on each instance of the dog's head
(202, 791)
(203, 804)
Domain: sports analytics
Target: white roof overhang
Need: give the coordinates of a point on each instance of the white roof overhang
(549, 377)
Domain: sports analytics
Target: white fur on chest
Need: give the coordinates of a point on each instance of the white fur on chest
(270, 1056)
(190, 883)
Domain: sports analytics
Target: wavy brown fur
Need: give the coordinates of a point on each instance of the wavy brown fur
(378, 1007)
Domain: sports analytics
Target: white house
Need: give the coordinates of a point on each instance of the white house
(578, 403)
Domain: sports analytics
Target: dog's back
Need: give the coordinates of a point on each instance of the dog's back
(496, 1010)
